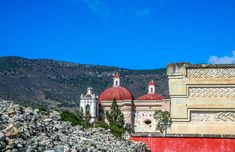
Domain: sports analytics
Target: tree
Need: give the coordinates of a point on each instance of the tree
(163, 120)
(115, 116)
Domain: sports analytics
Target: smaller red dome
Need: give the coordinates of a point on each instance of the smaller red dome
(151, 96)
(119, 93)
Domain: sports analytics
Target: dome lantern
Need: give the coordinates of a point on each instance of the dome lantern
(116, 79)
(151, 87)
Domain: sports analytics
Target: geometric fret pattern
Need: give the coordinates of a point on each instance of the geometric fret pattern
(213, 116)
(211, 72)
(223, 92)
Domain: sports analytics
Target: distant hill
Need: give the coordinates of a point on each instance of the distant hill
(44, 82)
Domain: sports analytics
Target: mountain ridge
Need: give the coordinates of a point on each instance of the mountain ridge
(59, 84)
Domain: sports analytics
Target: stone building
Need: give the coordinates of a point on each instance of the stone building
(202, 98)
(138, 114)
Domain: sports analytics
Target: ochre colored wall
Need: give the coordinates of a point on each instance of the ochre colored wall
(187, 144)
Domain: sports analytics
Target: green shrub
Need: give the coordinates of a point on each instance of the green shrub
(74, 119)
(102, 125)
(42, 109)
(115, 130)
(77, 120)
(70, 117)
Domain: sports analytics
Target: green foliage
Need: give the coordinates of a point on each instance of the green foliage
(115, 116)
(116, 120)
(163, 119)
(74, 119)
(42, 109)
(115, 130)
(102, 124)
(70, 117)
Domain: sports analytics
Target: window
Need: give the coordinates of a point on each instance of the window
(147, 122)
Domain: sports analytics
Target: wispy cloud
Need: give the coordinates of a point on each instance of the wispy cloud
(109, 8)
(223, 60)
(142, 12)
(97, 7)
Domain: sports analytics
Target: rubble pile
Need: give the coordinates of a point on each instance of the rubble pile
(23, 129)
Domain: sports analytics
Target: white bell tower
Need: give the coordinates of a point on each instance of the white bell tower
(89, 103)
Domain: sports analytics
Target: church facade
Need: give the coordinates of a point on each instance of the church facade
(138, 113)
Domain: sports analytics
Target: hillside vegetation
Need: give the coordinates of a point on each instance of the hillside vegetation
(43, 82)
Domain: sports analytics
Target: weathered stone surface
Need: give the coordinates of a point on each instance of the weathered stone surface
(2, 136)
(202, 98)
(26, 129)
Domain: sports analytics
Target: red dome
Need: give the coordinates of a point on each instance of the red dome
(119, 93)
(151, 96)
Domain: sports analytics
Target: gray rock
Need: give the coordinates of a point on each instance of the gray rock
(19, 146)
(59, 148)
(2, 136)
(48, 120)
(55, 115)
(28, 110)
(26, 129)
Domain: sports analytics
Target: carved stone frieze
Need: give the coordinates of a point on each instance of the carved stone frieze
(211, 72)
(213, 116)
(213, 92)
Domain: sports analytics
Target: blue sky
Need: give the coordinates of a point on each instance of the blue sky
(136, 34)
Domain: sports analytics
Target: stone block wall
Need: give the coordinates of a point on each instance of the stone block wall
(202, 98)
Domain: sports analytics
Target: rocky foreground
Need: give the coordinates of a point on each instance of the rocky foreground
(26, 129)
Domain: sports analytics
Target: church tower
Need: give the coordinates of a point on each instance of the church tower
(89, 105)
